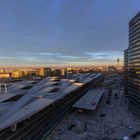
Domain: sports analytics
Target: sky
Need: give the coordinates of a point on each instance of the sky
(64, 32)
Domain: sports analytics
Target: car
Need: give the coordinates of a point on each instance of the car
(133, 136)
(107, 102)
(137, 133)
(102, 115)
(110, 91)
(125, 138)
(129, 126)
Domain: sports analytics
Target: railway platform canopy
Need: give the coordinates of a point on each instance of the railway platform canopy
(42, 95)
(90, 100)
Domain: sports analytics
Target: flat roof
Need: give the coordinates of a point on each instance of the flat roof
(72, 88)
(55, 96)
(87, 80)
(90, 100)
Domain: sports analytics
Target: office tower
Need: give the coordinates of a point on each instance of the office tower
(126, 71)
(132, 66)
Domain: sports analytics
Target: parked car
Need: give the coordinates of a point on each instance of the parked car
(102, 115)
(133, 136)
(129, 126)
(116, 97)
(107, 102)
(125, 138)
(137, 133)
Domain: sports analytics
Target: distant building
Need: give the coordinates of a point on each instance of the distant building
(5, 75)
(17, 74)
(59, 72)
(44, 72)
(63, 71)
(132, 66)
(2, 70)
(56, 72)
(112, 68)
(27, 72)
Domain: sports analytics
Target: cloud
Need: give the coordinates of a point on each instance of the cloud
(49, 54)
(5, 57)
(71, 57)
(30, 58)
(63, 31)
(104, 55)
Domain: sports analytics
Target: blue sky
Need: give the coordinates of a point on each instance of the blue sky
(43, 32)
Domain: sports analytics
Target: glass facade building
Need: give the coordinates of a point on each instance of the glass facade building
(132, 66)
(126, 71)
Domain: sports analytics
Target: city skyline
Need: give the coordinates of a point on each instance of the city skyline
(64, 32)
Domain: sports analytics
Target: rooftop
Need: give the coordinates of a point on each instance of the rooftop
(90, 100)
(44, 93)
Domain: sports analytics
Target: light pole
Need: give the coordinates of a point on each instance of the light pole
(5, 88)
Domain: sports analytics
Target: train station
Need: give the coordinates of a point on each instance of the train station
(41, 105)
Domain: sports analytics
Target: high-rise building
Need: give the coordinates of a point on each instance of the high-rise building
(132, 66)
(63, 72)
(56, 72)
(44, 72)
(126, 71)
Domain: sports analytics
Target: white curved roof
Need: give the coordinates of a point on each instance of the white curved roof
(27, 98)
(90, 100)
(26, 112)
(6, 96)
(36, 98)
